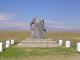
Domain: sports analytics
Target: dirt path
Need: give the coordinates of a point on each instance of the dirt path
(48, 57)
(51, 57)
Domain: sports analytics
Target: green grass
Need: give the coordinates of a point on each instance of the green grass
(21, 35)
(16, 52)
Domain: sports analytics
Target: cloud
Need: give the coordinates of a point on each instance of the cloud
(14, 25)
(50, 25)
(4, 16)
(61, 25)
(10, 21)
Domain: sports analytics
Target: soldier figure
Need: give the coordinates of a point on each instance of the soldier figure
(38, 28)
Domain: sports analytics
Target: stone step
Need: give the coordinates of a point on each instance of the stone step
(38, 43)
(30, 39)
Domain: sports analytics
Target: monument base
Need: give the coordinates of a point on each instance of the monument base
(43, 43)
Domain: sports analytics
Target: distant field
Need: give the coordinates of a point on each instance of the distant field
(20, 35)
(17, 35)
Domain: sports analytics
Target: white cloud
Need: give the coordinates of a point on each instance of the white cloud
(61, 25)
(50, 24)
(4, 17)
(8, 21)
(18, 25)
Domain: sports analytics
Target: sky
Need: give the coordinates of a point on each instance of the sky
(59, 15)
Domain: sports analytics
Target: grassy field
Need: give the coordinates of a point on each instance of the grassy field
(59, 53)
(17, 53)
(20, 35)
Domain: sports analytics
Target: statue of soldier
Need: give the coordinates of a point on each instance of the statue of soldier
(38, 28)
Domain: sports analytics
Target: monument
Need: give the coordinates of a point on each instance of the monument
(38, 30)
(37, 35)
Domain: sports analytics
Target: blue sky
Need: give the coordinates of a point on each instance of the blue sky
(59, 15)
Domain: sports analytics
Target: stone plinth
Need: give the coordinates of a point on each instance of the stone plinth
(38, 43)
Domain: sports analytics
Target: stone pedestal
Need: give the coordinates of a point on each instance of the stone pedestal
(42, 43)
